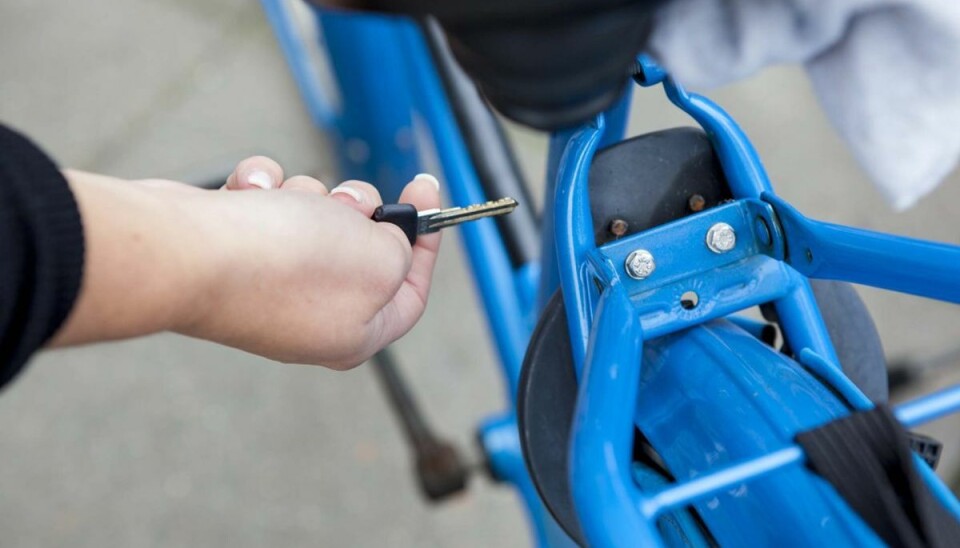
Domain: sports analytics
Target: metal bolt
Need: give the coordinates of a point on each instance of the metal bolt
(696, 203)
(640, 264)
(721, 238)
(618, 227)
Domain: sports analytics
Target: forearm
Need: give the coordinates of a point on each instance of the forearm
(149, 263)
(293, 275)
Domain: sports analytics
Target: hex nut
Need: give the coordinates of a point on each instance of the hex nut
(721, 238)
(640, 264)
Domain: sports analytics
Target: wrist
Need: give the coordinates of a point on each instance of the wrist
(206, 258)
(150, 262)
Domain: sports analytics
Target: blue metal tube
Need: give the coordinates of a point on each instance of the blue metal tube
(798, 311)
(615, 120)
(500, 439)
(301, 66)
(574, 233)
(929, 407)
(741, 164)
(375, 120)
(527, 278)
(549, 270)
(682, 494)
(907, 265)
(833, 375)
(601, 447)
(802, 322)
(488, 257)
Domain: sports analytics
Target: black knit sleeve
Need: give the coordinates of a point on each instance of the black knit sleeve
(41, 251)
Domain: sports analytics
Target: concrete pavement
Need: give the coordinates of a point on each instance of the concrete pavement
(168, 441)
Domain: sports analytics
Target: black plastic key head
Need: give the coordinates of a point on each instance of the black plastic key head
(402, 215)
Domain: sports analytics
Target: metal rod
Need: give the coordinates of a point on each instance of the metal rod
(496, 166)
(916, 412)
(402, 402)
(682, 494)
(929, 407)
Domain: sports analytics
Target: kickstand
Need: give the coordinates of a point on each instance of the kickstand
(440, 469)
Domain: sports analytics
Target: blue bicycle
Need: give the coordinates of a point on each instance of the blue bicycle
(648, 411)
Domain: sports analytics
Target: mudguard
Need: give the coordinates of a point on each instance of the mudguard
(714, 395)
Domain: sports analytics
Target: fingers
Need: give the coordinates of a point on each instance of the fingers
(424, 193)
(410, 301)
(256, 172)
(357, 195)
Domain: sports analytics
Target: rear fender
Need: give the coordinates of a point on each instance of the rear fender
(714, 395)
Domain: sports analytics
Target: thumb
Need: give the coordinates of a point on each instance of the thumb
(408, 304)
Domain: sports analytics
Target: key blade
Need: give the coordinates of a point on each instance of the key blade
(434, 220)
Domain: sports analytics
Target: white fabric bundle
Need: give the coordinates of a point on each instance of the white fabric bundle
(886, 72)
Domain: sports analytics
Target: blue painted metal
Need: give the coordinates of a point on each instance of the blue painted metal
(929, 407)
(678, 528)
(768, 397)
(741, 164)
(907, 265)
(549, 269)
(501, 442)
(802, 322)
(488, 258)
(682, 494)
(798, 311)
(601, 448)
(375, 60)
(319, 105)
(725, 283)
(573, 231)
(527, 278)
(615, 119)
(832, 374)
(712, 397)
(504, 292)
(683, 263)
(913, 413)
(649, 73)
(370, 56)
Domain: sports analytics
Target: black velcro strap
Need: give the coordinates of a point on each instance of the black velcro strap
(866, 456)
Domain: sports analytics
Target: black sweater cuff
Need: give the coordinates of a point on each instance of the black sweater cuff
(41, 251)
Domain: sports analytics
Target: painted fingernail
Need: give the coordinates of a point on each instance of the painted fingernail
(352, 192)
(428, 177)
(261, 179)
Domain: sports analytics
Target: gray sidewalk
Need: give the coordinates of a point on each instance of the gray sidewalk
(168, 441)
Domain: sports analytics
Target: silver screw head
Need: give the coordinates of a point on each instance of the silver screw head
(640, 264)
(721, 238)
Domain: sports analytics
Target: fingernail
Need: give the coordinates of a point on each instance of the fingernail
(428, 177)
(261, 179)
(352, 192)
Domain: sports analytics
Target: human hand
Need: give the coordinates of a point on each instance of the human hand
(339, 288)
(298, 275)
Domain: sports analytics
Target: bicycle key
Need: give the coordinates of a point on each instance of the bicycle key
(414, 223)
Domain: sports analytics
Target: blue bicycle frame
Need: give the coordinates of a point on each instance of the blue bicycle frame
(720, 407)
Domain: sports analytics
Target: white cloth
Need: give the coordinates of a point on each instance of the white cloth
(886, 72)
